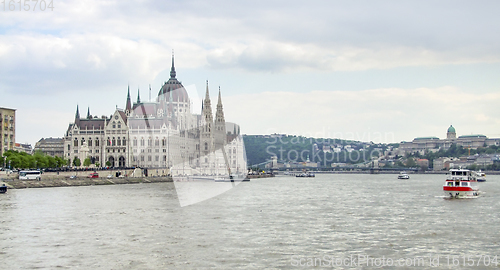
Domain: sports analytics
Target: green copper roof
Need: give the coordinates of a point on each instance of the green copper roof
(451, 129)
(472, 136)
(427, 138)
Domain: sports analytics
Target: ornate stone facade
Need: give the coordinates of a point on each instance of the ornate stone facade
(163, 134)
(423, 144)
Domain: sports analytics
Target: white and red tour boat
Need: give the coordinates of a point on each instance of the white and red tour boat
(460, 183)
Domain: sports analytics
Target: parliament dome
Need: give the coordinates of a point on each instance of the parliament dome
(173, 88)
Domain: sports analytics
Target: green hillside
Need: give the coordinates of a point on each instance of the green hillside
(290, 148)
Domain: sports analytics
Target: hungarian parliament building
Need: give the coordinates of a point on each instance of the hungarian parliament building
(163, 135)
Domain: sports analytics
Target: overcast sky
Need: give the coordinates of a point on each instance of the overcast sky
(382, 71)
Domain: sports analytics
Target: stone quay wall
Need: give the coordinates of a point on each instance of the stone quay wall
(81, 178)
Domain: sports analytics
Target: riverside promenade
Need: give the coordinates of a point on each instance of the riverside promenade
(80, 178)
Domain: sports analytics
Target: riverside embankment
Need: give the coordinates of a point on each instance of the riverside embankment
(16, 184)
(80, 178)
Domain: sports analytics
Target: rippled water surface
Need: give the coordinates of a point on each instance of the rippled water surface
(280, 223)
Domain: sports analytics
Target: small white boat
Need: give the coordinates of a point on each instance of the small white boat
(460, 183)
(305, 174)
(403, 175)
(480, 176)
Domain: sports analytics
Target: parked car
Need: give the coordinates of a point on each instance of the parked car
(94, 175)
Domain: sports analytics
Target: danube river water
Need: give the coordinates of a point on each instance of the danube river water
(334, 220)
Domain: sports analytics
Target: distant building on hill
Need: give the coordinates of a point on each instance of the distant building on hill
(422, 144)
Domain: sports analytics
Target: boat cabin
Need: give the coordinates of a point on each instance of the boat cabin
(460, 175)
(458, 183)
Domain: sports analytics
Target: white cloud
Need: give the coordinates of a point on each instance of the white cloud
(388, 115)
(78, 62)
(88, 51)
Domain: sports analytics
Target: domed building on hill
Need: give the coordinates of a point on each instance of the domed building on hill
(451, 134)
(422, 144)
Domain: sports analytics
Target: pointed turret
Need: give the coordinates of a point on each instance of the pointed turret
(219, 114)
(128, 106)
(77, 115)
(88, 113)
(138, 97)
(220, 124)
(207, 94)
(207, 109)
(172, 70)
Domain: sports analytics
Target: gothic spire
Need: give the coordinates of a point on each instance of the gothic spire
(220, 99)
(219, 114)
(172, 70)
(207, 107)
(77, 115)
(207, 95)
(128, 106)
(138, 97)
(88, 113)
